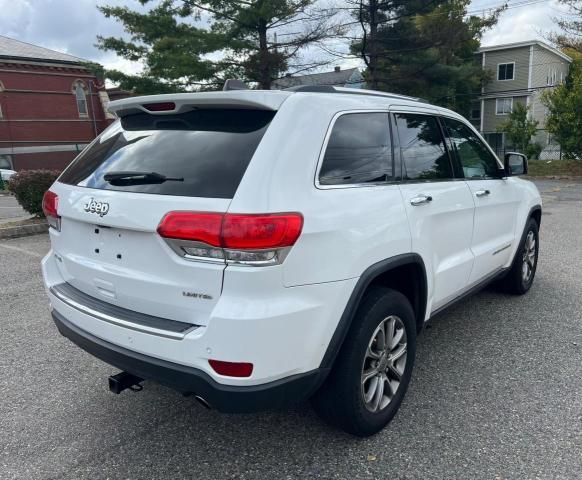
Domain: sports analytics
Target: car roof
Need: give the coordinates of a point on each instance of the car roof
(266, 99)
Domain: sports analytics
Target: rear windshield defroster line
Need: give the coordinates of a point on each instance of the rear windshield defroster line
(210, 149)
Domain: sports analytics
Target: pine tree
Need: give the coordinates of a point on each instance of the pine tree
(252, 40)
(423, 48)
(172, 50)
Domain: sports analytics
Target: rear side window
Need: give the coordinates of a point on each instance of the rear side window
(358, 151)
(203, 153)
(423, 150)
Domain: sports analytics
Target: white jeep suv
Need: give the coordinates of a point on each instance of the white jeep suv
(255, 248)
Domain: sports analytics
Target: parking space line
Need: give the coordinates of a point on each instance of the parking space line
(21, 250)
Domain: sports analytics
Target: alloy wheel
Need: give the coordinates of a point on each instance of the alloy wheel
(529, 257)
(384, 364)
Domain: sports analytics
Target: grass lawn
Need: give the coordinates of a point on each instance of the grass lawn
(543, 168)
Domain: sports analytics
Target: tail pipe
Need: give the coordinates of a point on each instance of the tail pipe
(122, 381)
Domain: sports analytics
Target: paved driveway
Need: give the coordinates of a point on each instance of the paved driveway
(496, 393)
(10, 210)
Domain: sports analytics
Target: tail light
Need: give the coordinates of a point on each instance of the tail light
(50, 205)
(263, 239)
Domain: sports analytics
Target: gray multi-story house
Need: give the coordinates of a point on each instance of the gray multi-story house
(520, 73)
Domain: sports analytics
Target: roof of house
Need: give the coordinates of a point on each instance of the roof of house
(336, 77)
(11, 48)
(528, 43)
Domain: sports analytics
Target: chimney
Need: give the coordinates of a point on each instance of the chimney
(336, 69)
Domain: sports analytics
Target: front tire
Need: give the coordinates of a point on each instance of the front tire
(373, 369)
(520, 277)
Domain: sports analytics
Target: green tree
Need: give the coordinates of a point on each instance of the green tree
(250, 27)
(423, 48)
(520, 129)
(172, 50)
(570, 39)
(564, 120)
(189, 44)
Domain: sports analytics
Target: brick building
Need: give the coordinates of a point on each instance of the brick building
(51, 106)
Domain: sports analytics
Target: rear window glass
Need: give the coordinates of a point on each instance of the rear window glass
(202, 153)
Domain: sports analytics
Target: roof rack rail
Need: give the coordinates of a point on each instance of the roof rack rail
(352, 91)
(312, 88)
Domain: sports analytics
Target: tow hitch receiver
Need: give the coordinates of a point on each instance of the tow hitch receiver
(123, 380)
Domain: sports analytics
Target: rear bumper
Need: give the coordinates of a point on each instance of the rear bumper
(188, 380)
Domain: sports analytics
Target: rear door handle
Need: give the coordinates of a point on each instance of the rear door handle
(420, 200)
(482, 193)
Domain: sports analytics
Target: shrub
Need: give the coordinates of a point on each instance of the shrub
(29, 186)
(533, 150)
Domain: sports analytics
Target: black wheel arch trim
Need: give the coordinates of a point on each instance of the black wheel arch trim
(367, 277)
(532, 210)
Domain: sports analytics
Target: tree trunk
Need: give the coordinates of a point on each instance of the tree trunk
(264, 60)
(373, 42)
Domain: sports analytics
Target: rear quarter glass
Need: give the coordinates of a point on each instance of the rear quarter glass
(209, 149)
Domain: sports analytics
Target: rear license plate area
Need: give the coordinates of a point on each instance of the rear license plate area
(108, 244)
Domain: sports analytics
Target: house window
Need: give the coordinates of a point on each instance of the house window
(505, 71)
(476, 113)
(81, 99)
(503, 106)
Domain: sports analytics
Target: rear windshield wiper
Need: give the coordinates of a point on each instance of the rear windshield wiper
(137, 178)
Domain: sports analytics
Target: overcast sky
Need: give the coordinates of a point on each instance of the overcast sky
(71, 26)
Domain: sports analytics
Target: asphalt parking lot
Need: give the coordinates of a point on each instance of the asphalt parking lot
(10, 210)
(496, 393)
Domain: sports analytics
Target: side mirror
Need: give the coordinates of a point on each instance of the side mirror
(515, 164)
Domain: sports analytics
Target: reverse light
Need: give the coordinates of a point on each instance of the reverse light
(231, 369)
(50, 205)
(263, 239)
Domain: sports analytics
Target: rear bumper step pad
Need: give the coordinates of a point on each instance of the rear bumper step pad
(120, 316)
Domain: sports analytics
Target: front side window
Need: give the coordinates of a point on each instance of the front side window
(476, 159)
(359, 150)
(503, 106)
(505, 71)
(423, 150)
(81, 99)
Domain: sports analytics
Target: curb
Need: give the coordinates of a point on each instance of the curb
(574, 178)
(23, 230)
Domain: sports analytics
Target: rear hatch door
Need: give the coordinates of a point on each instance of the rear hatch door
(108, 246)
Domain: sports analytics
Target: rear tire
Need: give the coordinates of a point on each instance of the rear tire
(373, 369)
(520, 277)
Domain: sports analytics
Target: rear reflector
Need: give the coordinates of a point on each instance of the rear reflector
(234, 231)
(160, 107)
(231, 369)
(50, 205)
